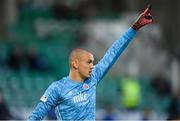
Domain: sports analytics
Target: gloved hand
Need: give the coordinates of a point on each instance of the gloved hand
(144, 19)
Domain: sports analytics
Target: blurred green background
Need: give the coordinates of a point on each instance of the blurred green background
(36, 37)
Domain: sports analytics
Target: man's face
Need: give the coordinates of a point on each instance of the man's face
(85, 65)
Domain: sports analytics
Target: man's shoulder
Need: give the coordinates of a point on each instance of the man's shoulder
(57, 85)
(60, 82)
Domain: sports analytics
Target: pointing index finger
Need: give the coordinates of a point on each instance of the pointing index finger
(149, 7)
(147, 10)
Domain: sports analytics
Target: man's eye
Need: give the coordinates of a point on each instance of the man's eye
(90, 62)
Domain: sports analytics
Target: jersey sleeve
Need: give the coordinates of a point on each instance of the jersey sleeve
(48, 101)
(112, 54)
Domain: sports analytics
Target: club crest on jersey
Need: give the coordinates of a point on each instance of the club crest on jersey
(85, 86)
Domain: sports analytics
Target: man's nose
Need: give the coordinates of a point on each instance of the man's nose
(92, 66)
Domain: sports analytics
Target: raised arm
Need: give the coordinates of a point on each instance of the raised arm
(119, 46)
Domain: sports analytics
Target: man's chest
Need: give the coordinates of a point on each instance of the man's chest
(78, 95)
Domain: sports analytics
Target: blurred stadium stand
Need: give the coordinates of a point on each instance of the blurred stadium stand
(53, 28)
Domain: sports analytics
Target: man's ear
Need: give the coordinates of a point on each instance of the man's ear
(75, 64)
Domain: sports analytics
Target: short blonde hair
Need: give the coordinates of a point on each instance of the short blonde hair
(76, 54)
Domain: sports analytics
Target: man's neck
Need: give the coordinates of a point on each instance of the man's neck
(73, 75)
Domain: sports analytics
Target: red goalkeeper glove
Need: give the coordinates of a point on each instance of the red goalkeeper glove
(144, 19)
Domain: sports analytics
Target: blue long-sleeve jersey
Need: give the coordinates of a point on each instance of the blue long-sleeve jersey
(77, 101)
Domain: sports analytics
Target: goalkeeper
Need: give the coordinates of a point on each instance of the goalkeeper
(74, 96)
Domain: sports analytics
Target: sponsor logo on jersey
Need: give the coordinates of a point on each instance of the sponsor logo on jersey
(80, 98)
(85, 86)
(44, 98)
